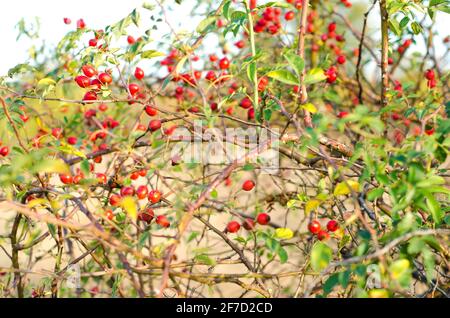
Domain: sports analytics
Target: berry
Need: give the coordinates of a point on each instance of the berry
(81, 24)
(314, 227)
(131, 40)
(101, 178)
(154, 125)
(133, 88)
(323, 235)
(139, 73)
(246, 103)
(114, 200)
(90, 96)
(224, 63)
(67, 21)
(109, 214)
(341, 59)
(162, 221)
(82, 81)
(154, 196)
(72, 140)
(146, 216)
(4, 151)
(65, 178)
(127, 191)
(57, 132)
(429, 74)
(151, 111)
(332, 226)
(248, 185)
(290, 15)
(105, 78)
(248, 224)
(89, 70)
(263, 218)
(233, 227)
(93, 42)
(142, 192)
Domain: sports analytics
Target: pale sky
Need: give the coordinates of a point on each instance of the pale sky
(96, 14)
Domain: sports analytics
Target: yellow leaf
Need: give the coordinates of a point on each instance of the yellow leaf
(37, 202)
(343, 189)
(51, 166)
(69, 149)
(378, 293)
(310, 107)
(284, 233)
(46, 82)
(129, 205)
(311, 205)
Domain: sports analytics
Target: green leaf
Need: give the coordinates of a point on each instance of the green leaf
(205, 259)
(375, 194)
(321, 255)
(283, 76)
(205, 23)
(416, 28)
(283, 255)
(149, 54)
(401, 272)
(434, 208)
(315, 75)
(296, 62)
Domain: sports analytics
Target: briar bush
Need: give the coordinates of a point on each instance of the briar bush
(98, 199)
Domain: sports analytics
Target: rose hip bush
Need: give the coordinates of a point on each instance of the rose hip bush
(96, 203)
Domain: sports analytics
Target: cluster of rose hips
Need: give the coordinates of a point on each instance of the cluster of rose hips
(429, 75)
(248, 224)
(315, 228)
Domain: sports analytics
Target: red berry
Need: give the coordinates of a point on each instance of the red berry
(90, 96)
(332, 225)
(162, 221)
(56, 132)
(248, 185)
(233, 227)
(101, 178)
(146, 216)
(89, 70)
(134, 175)
(341, 59)
(139, 73)
(251, 114)
(429, 74)
(114, 200)
(131, 40)
(127, 191)
(4, 151)
(323, 235)
(342, 114)
(154, 196)
(65, 178)
(67, 21)
(224, 63)
(81, 24)
(263, 218)
(246, 103)
(109, 214)
(289, 15)
(105, 78)
(133, 88)
(142, 192)
(314, 227)
(93, 42)
(154, 125)
(82, 81)
(248, 224)
(72, 140)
